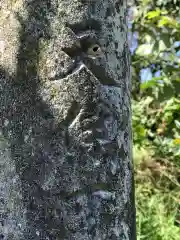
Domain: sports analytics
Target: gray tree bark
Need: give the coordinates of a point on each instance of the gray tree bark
(65, 121)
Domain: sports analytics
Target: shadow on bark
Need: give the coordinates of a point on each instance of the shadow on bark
(28, 116)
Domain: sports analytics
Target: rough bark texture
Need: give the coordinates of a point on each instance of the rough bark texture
(65, 121)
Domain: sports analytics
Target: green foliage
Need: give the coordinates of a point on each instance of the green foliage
(156, 119)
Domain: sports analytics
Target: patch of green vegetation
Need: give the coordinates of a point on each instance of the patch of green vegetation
(156, 119)
(157, 197)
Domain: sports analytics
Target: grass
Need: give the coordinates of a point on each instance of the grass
(157, 197)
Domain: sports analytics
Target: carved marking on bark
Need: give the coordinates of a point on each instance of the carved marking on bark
(84, 54)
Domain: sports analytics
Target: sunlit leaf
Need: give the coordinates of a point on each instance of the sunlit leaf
(166, 20)
(153, 14)
(141, 131)
(177, 123)
(144, 49)
(162, 46)
(151, 83)
(176, 141)
(166, 39)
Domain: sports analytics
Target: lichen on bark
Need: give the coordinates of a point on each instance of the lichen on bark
(65, 114)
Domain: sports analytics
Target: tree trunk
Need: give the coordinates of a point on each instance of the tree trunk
(65, 121)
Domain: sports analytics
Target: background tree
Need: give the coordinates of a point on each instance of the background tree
(66, 167)
(156, 116)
